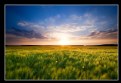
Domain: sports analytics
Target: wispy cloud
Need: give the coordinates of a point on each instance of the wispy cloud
(23, 24)
(75, 17)
(48, 29)
(25, 33)
(67, 28)
(51, 26)
(109, 34)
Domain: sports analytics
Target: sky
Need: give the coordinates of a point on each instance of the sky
(61, 24)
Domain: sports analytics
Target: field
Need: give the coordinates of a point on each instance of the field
(61, 62)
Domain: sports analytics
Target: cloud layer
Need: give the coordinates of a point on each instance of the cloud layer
(109, 34)
(74, 27)
(25, 33)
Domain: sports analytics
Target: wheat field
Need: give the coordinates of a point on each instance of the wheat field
(61, 62)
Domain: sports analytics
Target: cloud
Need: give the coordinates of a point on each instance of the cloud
(25, 33)
(109, 34)
(48, 28)
(66, 28)
(75, 17)
(12, 39)
(87, 15)
(23, 24)
(52, 20)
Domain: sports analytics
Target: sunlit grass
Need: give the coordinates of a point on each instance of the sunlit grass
(61, 62)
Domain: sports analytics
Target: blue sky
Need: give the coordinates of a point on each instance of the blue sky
(50, 24)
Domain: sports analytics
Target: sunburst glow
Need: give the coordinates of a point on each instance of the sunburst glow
(64, 41)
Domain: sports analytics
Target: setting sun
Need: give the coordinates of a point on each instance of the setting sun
(64, 41)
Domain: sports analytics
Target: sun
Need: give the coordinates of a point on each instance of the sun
(64, 41)
(63, 38)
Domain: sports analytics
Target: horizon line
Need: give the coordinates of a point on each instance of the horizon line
(61, 45)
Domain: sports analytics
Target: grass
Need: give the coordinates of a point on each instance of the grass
(61, 62)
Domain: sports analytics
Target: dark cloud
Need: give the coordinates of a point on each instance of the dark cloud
(25, 33)
(109, 34)
(12, 39)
